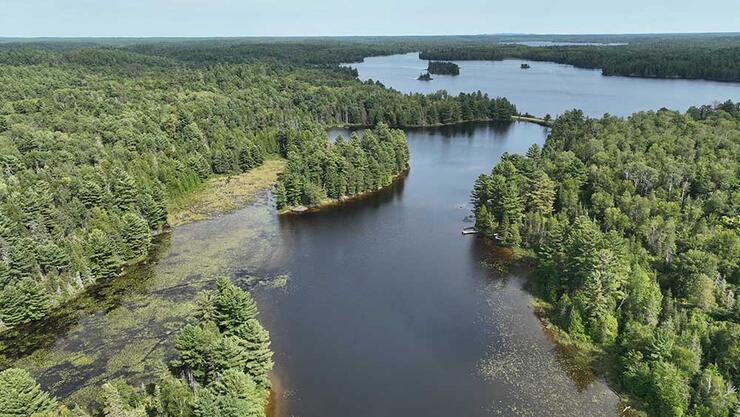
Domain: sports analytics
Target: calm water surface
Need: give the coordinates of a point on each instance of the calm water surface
(390, 311)
(549, 88)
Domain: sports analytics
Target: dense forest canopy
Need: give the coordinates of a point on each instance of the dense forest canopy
(634, 223)
(712, 56)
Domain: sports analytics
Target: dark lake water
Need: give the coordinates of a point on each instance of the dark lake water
(549, 88)
(391, 312)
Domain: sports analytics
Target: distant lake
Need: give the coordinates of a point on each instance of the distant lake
(549, 88)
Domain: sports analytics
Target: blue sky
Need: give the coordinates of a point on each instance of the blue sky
(366, 17)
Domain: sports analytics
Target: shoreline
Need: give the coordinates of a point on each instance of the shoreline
(593, 359)
(535, 120)
(334, 202)
(362, 126)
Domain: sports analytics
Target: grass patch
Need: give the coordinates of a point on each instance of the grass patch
(224, 193)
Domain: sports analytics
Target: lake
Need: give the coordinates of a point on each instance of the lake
(549, 88)
(390, 311)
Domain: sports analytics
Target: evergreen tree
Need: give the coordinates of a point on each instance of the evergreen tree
(117, 406)
(154, 212)
(123, 188)
(105, 261)
(136, 235)
(23, 301)
(52, 258)
(23, 258)
(20, 395)
(233, 307)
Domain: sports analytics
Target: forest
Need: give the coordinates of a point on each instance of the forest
(94, 143)
(633, 226)
(709, 59)
(317, 171)
(443, 68)
(221, 369)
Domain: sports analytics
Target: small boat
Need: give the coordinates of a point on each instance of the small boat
(525, 66)
(469, 231)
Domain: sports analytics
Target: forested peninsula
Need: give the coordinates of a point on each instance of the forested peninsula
(318, 173)
(633, 226)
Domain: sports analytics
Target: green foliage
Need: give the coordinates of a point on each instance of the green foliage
(445, 68)
(626, 216)
(23, 301)
(20, 395)
(317, 170)
(136, 235)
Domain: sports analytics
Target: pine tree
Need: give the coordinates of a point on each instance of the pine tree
(480, 194)
(23, 258)
(206, 404)
(256, 340)
(541, 194)
(234, 307)
(90, 193)
(20, 395)
(105, 262)
(153, 212)
(123, 189)
(52, 257)
(484, 221)
(23, 301)
(281, 198)
(117, 406)
(136, 235)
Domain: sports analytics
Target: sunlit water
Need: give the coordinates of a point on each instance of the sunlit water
(549, 88)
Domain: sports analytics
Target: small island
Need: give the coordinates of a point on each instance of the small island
(525, 66)
(443, 68)
(425, 77)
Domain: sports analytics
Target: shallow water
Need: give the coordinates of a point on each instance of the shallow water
(549, 88)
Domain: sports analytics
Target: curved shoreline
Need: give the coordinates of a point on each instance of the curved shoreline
(334, 202)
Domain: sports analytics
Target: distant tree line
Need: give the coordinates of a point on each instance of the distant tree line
(317, 170)
(443, 68)
(222, 366)
(680, 59)
(635, 224)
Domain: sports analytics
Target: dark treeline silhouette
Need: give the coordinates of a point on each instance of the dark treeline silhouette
(443, 68)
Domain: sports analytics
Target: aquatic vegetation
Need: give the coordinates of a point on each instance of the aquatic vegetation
(124, 327)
